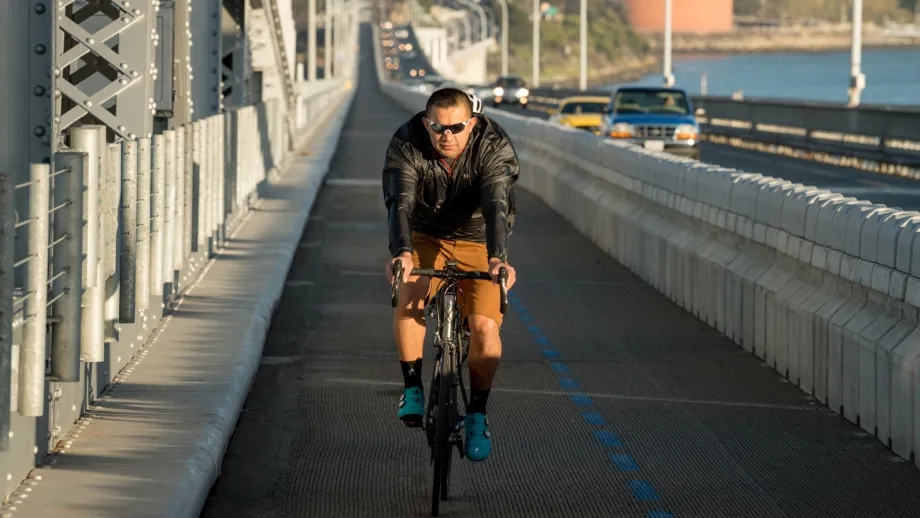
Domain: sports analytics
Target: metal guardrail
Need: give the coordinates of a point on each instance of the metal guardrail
(113, 233)
(883, 134)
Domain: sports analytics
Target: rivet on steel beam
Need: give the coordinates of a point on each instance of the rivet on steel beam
(91, 40)
(88, 103)
(137, 12)
(121, 128)
(125, 19)
(40, 49)
(40, 8)
(38, 90)
(39, 131)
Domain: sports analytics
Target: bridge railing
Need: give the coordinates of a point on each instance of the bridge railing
(883, 134)
(111, 236)
(821, 287)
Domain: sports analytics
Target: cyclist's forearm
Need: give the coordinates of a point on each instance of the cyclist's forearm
(495, 213)
(400, 231)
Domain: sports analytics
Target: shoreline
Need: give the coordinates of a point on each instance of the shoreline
(787, 40)
(728, 44)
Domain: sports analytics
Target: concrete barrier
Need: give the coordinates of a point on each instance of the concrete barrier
(822, 287)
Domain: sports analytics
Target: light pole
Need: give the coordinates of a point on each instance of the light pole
(857, 78)
(536, 44)
(668, 76)
(311, 42)
(504, 5)
(583, 48)
(468, 30)
(483, 19)
(327, 40)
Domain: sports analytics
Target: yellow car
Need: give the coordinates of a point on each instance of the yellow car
(581, 111)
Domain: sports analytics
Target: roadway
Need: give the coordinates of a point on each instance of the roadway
(610, 400)
(893, 191)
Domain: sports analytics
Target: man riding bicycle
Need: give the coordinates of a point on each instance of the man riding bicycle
(447, 181)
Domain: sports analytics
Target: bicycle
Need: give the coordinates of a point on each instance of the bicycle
(442, 421)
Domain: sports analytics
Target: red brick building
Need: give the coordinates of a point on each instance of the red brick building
(687, 16)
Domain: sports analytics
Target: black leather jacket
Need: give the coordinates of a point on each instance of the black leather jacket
(471, 202)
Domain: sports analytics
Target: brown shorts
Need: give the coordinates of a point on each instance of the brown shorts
(475, 296)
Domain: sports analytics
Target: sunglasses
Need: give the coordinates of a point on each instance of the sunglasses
(440, 129)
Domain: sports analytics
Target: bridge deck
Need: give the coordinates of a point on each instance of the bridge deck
(610, 400)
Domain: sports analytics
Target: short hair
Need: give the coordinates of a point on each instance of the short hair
(448, 98)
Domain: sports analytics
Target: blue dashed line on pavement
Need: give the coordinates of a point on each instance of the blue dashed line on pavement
(581, 400)
(644, 491)
(559, 367)
(593, 418)
(550, 353)
(607, 438)
(569, 384)
(624, 462)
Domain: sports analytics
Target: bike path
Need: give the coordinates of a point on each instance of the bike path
(610, 400)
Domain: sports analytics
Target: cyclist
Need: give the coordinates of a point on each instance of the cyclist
(447, 184)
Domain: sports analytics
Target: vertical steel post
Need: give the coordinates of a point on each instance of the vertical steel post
(7, 254)
(311, 41)
(142, 253)
(34, 336)
(667, 75)
(179, 222)
(111, 200)
(329, 8)
(536, 44)
(169, 209)
(158, 233)
(92, 347)
(188, 201)
(857, 78)
(127, 308)
(65, 332)
(583, 47)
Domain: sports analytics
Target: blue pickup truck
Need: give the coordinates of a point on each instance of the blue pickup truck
(656, 118)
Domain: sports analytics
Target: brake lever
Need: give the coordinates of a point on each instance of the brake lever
(394, 288)
(503, 284)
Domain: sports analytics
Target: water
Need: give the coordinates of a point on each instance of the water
(892, 75)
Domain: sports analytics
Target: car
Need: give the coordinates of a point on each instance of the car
(509, 90)
(657, 118)
(580, 111)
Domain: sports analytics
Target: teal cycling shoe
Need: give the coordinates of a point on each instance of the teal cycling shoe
(412, 406)
(478, 444)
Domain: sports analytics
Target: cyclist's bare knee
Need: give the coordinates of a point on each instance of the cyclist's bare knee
(484, 333)
(412, 299)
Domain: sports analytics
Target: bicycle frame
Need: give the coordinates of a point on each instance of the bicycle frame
(442, 420)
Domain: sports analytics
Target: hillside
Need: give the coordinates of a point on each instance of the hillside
(615, 51)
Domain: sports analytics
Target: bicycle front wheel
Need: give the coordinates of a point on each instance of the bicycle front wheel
(443, 449)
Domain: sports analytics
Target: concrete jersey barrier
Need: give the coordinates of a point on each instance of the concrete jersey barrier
(822, 287)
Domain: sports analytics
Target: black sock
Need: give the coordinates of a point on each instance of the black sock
(478, 400)
(412, 373)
